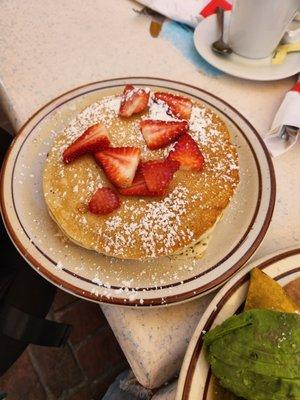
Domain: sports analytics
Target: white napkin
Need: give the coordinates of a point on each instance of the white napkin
(189, 12)
(287, 114)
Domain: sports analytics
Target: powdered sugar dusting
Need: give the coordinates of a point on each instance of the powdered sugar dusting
(104, 111)
(136, 90)
(160, 111)
(159, 222)
(199, 122)
(207, 133)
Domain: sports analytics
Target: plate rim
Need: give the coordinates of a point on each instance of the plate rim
(194, 348)
(236, 74)
(156, 301)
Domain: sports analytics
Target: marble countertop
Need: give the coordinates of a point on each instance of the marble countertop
(49, 47)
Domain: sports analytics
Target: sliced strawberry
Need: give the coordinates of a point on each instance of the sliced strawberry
(119, 164)
(181, 107)
(158, 174)
(95, 138)
(159, 134)
(187, 153)
(104, 201)
(138, 187)
(134, 101)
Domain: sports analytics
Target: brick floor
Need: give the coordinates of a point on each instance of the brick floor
(21, 381)
(82, 394)
(82, 370)
(57, 368)
(96, 349)
(62, 300)
(85, 317)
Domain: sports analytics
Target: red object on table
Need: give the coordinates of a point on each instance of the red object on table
(296, 88)
(212, 7)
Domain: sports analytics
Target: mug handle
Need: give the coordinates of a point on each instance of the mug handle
(292, 36)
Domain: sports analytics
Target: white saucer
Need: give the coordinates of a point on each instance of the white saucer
(207, 32)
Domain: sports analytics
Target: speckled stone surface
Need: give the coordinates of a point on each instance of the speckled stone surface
(155, 339)
(48, 47)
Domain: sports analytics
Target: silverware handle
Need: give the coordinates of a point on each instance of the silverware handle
(220, 16)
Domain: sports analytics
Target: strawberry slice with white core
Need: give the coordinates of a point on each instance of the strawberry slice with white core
(119, 164)
(104, 201)
(134, 101)
(187, 153)
(159, 134)
(138, 187)
(158, 175)
(180, 107)
(95, 138)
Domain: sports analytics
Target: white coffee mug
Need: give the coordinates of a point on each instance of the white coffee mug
(257, 26)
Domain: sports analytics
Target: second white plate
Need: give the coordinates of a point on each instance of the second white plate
(195, 376)
(260, 70)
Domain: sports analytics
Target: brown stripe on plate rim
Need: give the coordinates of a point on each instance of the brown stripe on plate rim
(218, 309)
(153, 301)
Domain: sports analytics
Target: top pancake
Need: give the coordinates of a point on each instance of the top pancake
(141, 227)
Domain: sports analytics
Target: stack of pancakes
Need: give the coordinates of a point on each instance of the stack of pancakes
(143, 227)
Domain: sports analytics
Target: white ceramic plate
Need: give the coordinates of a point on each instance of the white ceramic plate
(160, 281)
(207, 32)
(195, 376)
